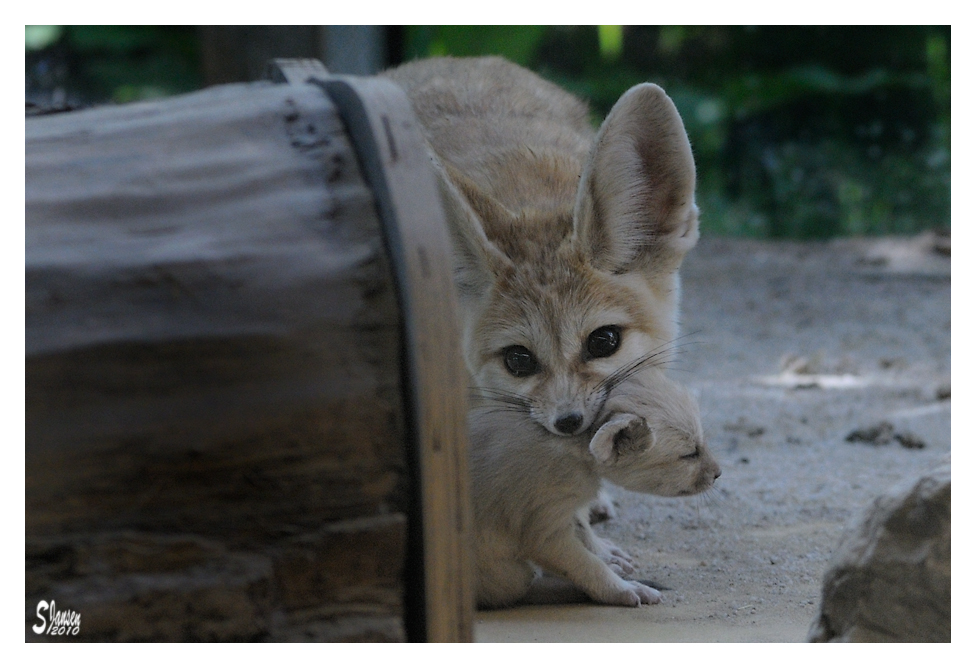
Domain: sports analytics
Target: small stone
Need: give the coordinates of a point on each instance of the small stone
(742, 426)
(909, 440)
(879, 434)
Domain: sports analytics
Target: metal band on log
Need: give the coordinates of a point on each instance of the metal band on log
(245, 403)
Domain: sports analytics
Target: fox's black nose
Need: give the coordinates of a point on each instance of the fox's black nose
(568, 423)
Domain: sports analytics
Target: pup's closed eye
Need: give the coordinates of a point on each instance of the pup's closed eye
(693, 455)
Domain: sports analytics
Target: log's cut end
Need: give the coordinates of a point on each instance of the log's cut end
(215, 422)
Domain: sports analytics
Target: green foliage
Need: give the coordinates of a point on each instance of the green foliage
(829, 187)
(611, 41)
(805, 132)
(41, 37)
(118, 63)
(798, 131)
(517, 43)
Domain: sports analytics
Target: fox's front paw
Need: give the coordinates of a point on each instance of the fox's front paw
(621, 434)
(633, 594)
(647, 595)
(619, 561)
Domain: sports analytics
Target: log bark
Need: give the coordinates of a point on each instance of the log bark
(215, 425)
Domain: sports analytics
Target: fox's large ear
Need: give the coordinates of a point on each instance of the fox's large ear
(636, 199)
(476, 258)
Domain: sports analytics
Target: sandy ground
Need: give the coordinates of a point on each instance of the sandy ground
(793, 347)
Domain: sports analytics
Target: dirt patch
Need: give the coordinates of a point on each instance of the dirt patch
(791, 348)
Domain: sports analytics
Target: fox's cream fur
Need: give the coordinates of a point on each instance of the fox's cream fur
(567, 248)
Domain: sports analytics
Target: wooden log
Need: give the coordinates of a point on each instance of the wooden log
(219, 430)
(379, 117)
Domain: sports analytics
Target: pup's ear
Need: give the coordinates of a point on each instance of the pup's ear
(620, 435)
(636, 199)
(476, 258)
(601, 445)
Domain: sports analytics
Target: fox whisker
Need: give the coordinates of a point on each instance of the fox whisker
(623, 373)
(505, 409)
(514, 401)
(663, 355)
(495, 392)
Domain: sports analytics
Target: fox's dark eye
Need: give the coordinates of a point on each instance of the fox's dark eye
(603, 342)
(520, 361)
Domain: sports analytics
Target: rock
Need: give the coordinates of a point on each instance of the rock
(879, 434)
(743, 426)
(884, 433)
(942, 242)
(909, 440)
(890, 578)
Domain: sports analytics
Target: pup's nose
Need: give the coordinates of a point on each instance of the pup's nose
(568, 423)
(718, 473)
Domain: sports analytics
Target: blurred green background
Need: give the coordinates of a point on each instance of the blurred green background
(798, 132)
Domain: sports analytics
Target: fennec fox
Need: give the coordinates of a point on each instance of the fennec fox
(567, 244)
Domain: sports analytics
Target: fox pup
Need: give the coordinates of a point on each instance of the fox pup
(532, 490)
(567, 244)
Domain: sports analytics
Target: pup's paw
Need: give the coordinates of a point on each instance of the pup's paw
(602, 508)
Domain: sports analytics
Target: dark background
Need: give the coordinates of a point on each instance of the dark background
(798, 131)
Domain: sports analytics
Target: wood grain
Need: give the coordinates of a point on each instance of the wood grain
(213, 376)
